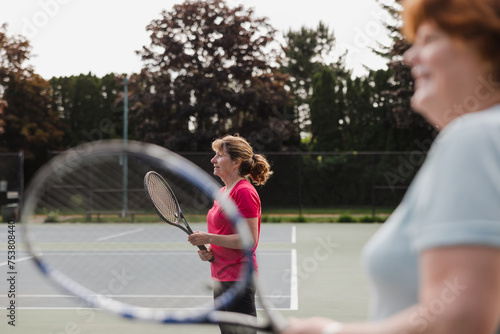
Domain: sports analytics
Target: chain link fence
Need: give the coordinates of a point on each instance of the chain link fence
(333, 179)
(11, 184)
(301, 180)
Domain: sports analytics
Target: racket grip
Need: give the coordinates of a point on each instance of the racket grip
(205, 249)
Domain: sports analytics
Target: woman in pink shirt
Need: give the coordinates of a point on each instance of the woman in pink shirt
(236, 164)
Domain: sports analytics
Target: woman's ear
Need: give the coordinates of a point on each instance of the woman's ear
(237, 162)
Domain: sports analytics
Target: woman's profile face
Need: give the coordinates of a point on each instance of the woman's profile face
(449, 76)
(223, 165)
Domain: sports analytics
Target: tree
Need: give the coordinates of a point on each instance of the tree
(349, 114)
(209, 70)
(86, 105)
(398, 98)
(30, 122)
(13, 52)
(326, 108)
(307, 51)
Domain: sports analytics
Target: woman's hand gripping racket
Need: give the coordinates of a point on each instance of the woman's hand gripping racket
(166, 204)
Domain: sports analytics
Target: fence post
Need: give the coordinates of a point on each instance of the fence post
(373, 186)
(21, 183)
(300, 185)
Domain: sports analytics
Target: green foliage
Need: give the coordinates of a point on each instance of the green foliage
(52, 216)
(332, 179)
(306, 52)
(29, 121)
(86, 104)
(208, 71)
(366, 219)
(299, 219)
(352, 114)
(372, 219)
(346, 219)
(408, 125)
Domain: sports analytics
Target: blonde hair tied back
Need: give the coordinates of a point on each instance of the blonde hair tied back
(253, 166)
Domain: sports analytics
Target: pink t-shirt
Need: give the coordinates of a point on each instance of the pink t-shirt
(227, 263)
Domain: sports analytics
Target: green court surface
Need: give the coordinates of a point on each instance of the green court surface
(322, 275)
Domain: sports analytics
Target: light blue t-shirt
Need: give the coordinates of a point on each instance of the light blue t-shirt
(453, 200)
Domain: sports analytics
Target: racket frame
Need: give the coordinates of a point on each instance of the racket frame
(186, 170)
(178, 214)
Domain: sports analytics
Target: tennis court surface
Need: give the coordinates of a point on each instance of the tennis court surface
(306, 270)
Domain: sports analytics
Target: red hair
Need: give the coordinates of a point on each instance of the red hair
(475, 22)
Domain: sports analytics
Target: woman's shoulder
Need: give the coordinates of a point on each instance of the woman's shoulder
(467, 141)
(476, 122)
(473, 129)
(244, 187)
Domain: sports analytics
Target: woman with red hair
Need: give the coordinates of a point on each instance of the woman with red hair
(434, 266)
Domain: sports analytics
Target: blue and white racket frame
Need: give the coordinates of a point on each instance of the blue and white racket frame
(188, 171)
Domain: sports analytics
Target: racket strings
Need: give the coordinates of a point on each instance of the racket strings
(162, 198)
(105, 243)
(75, 224)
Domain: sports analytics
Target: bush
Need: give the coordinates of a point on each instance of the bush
(346, 219)
(380, 219)
(52, 216)
(299, 219)
(367, 219)
(267, 219)
(372, 219)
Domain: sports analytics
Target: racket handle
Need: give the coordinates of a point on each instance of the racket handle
(205, 249)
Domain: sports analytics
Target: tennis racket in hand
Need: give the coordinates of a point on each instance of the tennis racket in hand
(90, 229)
(166, 204)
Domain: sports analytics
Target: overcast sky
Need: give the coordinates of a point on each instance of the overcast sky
(70, 37)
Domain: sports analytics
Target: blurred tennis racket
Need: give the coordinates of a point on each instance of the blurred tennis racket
(91, 230)
(165, 203)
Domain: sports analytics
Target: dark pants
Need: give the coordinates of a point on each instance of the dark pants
(242, 304)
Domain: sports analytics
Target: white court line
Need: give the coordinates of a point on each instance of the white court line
(17, 260)
(294, 235)
(105, 252)
(137, 296)
(294, 301)
(92, 308)
(294, 286)
(115, 296)
(120, 234)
